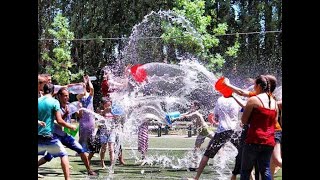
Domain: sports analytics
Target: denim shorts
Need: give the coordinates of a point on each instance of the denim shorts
(108, 138)
(71, 143)
(51, 145)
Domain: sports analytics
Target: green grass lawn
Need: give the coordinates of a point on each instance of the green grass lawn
(52, 170)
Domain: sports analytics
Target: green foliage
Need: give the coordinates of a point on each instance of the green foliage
(233, 50)
(198, 40)
(221, 29)
(60, 64)
(210, 19)
(215, 61)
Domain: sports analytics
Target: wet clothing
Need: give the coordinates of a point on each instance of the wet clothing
(87, 123)
(226, 110)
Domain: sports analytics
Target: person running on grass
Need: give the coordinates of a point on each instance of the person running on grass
(48, 111)
(203, 129)
(226, 113)
(66, 139)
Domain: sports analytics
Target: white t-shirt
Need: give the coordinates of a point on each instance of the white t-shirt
(227, 110)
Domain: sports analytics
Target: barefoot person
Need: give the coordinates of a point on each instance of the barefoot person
(203, 130)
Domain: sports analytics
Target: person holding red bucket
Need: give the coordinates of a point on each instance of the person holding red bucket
(276, 160)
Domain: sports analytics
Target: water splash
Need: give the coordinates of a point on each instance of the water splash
(168, 88)
(223, 160)
(278, 93)
(143, 49)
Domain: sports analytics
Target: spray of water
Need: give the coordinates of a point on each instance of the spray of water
(223, 160)
(168, 88)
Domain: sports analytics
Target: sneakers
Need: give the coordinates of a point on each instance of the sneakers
(40, 176)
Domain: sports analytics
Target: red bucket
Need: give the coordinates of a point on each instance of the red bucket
(222, 88)
(138, 73)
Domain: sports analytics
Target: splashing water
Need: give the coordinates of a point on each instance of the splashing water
(222, 161)
(143, 49)
(278, 93)
(168, 88)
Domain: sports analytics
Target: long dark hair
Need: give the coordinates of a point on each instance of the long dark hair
(268, 84)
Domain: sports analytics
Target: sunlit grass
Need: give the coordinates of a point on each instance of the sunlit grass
(52, 170)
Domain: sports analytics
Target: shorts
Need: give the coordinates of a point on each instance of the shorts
(52, 145)
(47, 156)
(108, 138)
(205, 131)
(200, 139)
(71, 143)
(218, 140)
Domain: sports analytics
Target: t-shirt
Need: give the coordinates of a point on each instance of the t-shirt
(47, 107)
(57, 128)
(227, 110)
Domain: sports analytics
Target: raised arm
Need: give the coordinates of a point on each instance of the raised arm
(90, 85)
(237, 90)
(239, 101)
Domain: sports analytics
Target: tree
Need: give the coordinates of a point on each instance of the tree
(59, 65)
(200, 36)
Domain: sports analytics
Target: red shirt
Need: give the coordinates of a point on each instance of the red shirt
(105, 88)
(261, 126)
(277, 125)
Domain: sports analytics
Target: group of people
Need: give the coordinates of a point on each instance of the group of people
(54, 114)
(258, 143)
